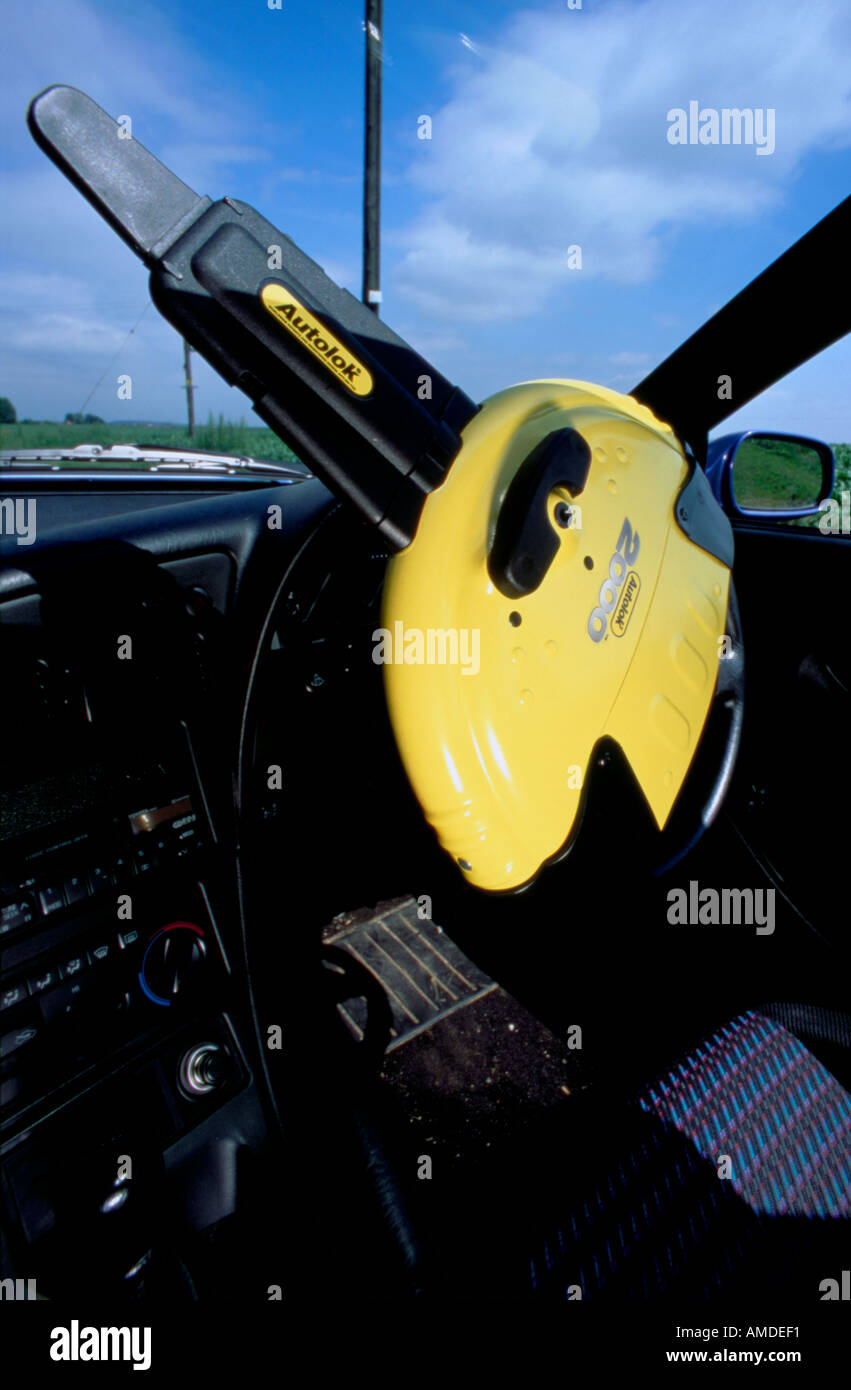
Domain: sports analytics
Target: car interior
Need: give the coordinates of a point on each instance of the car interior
(264, 1038)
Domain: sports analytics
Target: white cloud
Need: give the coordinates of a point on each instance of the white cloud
(130, 60)
(71, 333)
(630, 359)
(61, 328)
(557, 135)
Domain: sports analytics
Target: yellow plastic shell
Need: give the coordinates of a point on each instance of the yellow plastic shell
(496, 731)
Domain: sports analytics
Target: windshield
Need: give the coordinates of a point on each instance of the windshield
(90, 442)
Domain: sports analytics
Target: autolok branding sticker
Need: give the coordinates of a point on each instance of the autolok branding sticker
(619, 589)
(325, 345)
(623, 612)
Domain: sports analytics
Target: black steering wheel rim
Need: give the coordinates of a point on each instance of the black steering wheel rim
(709, 780)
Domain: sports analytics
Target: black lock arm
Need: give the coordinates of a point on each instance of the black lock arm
(374, 419)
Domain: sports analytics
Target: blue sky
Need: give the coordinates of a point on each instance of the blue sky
(549, 130)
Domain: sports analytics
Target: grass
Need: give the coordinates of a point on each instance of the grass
(842, 454)
(222, 436)
(775, 473)
(841, 481)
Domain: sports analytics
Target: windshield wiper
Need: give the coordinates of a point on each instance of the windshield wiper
(146, 460)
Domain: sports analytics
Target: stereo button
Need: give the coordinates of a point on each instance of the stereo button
(18, 914)
(75, 890)
(19, 1037)
(10, 1090)
(99, 879)
(45, 979)
(146, 858)
(72, 967)
(63, 1001)
(50, 899)
(14, 995)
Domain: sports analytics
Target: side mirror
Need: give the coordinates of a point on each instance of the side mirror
(777, 476)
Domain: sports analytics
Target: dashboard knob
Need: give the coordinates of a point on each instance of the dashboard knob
(173, 960)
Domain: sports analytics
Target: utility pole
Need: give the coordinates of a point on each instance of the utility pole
(371, 292)
(190, 401)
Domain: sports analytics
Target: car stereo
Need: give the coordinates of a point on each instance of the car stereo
(107, 933)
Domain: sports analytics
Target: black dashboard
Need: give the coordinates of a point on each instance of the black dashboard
(133, 1078)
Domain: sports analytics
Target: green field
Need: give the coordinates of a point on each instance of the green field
(776, 473)
(235, 437)
(842, 454)
(841, 481)
(224, 436)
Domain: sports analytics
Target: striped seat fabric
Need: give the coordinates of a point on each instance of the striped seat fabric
(732, 1176)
